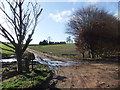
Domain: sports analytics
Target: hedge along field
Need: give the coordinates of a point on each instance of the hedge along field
(57, 50)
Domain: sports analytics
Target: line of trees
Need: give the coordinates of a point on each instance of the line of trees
(20, 20)
(45, 42)
(95, 30)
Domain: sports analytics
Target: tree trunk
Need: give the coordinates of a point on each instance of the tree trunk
(19, 63)
(27, 64)
(32, 58)
(89, 53)
(19, 60)
(32, 64)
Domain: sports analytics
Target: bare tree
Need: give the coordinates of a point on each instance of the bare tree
(95, 30)
(23, 21)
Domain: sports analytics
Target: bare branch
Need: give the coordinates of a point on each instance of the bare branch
(12, 21)
(22, 1)
(36, 18)
(7, 45)
(21, 22)
(26, 14)
(27, 43)
(3, 5)
(5, 31)
(7, 49)
(13, 8)
(2, 34)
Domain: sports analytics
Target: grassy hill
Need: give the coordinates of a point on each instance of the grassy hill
(58, 50)
(64, 50)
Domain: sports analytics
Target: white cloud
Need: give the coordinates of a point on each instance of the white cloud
(62, 16)
(116, 14)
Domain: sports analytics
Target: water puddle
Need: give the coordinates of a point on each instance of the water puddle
(8, 60)
(51, 64)
(54, 63)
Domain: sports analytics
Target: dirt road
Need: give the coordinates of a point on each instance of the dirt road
(88, 75)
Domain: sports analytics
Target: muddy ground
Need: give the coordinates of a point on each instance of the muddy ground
(86, 74)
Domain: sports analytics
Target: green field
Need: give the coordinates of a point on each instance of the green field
(57, 50)
(3, 51)
(7, 52)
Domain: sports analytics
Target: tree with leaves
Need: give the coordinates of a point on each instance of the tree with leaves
(49, 39)
(95, 30)
(22, 18)
(69, 40)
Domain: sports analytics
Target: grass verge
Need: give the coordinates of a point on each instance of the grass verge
(11, 79)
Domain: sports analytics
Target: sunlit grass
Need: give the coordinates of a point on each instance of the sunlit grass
(7, 52)
(57, 50)
(4, 51)
(11, 79)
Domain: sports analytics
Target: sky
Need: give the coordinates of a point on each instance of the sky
(56, 14)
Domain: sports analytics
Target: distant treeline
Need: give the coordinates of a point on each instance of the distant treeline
(45, 42)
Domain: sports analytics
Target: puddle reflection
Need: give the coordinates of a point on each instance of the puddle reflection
(51, 64)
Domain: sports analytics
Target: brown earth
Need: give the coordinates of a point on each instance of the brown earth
(84, 75)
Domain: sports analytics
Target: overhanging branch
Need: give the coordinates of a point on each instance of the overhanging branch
(6, 36)
(7, 49)
(6, 32)
(8, 17)
(27, 43)
(7, 45)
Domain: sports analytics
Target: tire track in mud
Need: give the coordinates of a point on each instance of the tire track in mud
(82, 75)
(46, 56)
(73, 79)
(70, 80)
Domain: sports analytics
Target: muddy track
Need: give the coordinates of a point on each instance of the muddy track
(46, 56)
(82, 75)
